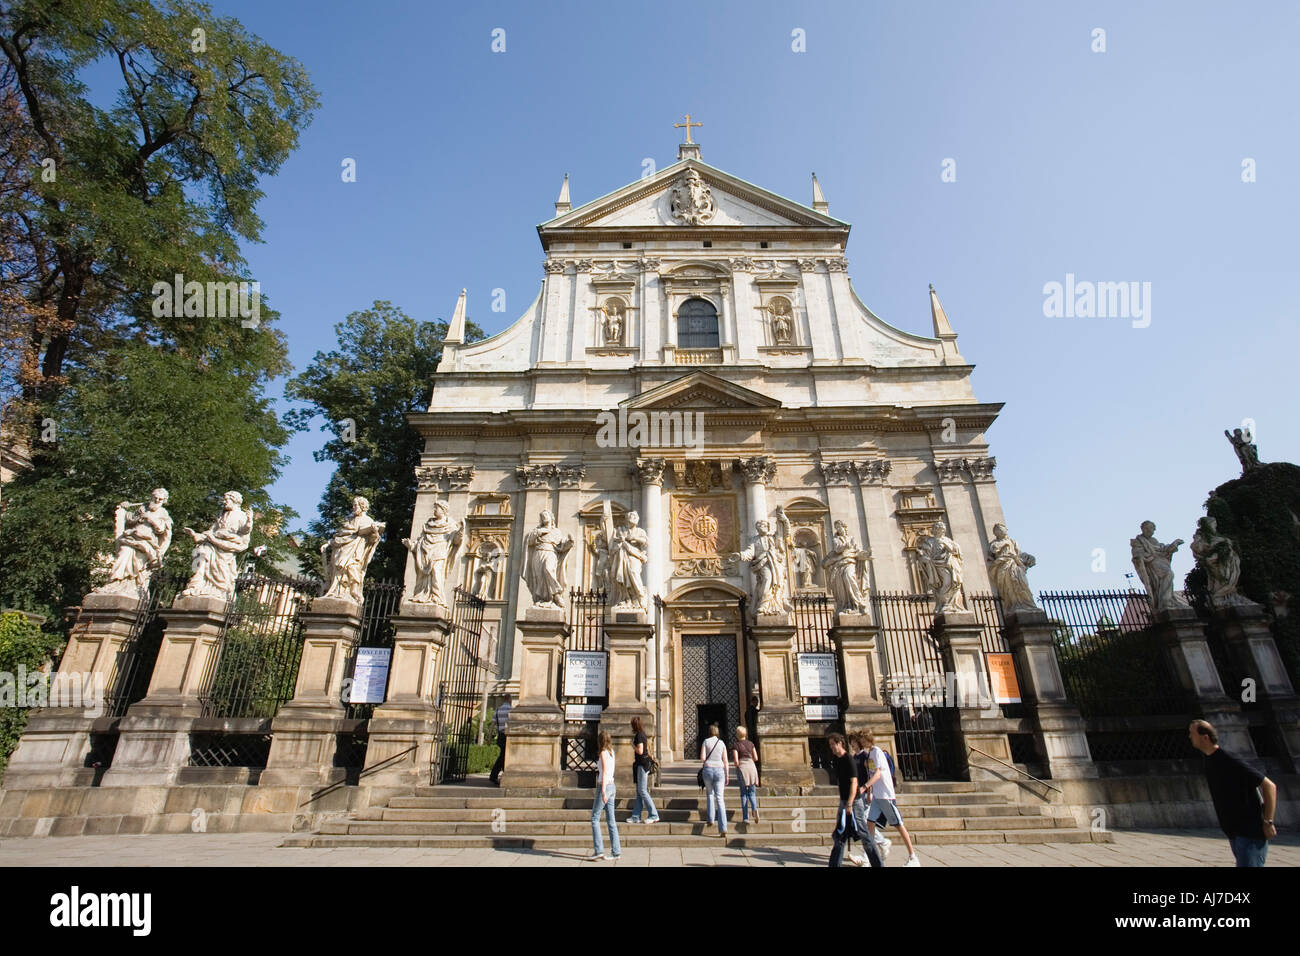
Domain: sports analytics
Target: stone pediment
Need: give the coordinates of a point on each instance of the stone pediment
(690, 194)
(702, 391)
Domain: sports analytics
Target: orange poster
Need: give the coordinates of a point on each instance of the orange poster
(1002, 678)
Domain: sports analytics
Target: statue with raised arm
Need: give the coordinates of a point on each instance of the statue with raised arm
(941, 569)
(546, 550)
(1247, 452)
(1218, 555)
(766, 557)
(348, 553)
(216, 553)
(1007, 567)
(434, 554)
(141, 537)
(846, 572)
(628, 553)
(1151, 561)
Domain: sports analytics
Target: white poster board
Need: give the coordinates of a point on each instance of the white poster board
(821, 711)
(583, 711)
(370, 676)
(585, 673)
(817, 676)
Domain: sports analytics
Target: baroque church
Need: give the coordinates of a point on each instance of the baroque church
(698, 356)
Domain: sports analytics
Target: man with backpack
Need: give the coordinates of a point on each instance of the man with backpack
(883, 799)
(873, 848)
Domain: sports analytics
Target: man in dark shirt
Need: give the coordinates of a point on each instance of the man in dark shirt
(847, 776)
(1236, 789)
(503, 720)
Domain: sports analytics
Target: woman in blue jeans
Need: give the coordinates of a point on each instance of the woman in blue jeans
(713, 755)
(604, 800)
(641, 770)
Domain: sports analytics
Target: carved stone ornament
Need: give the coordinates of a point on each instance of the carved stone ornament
(142, 532)
(837, 265)
(650, 471)
(875, 471)
(759, 469)
(427, 477)
(648, 264)
(554, 266)
(709, 567)
(691, 200)
(216, 551)
(837, 472)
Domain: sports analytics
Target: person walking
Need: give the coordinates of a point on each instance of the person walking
(713, 758)
(502, 717)
(1244, 799)
(883, 798)
(846, 777)
(604, 801)
(862, 800)
(641, 772)
(745, 758)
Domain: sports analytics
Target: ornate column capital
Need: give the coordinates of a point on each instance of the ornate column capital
(534, 476)
(758, 470)
(650, 471)
(807, 265)
(648, 264)
(950, 469)
(553, 266)
(582, 265)
(570, 476)
(981, 469)
(873, 471)
(836, 265)
(836, 472)
(427, 478)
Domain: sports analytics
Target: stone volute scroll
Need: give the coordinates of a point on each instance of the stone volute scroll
(142, 533)
(940, 562)
(766, 557)
(434, 552)
(347, 555)
(1218, 555)
(1151, 561)
(216, 553)
(845, 565)
(1007, 567)
(546, 554)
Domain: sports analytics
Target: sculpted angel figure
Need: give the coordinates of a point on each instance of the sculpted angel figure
(1218, 555)
(846, 572)
(217, 550)
(628, 553)
(348, 553)
(941, 569)
(766, 557)
(1247, 452)
(141, 537)
(434, 553)
(1007, 567)
(1151, 560)
(543, 569)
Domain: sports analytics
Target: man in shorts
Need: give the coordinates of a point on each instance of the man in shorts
(883, 800)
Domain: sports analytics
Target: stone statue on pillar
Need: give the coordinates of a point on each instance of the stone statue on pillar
(348, 553)
(1151, 560)
(628, 553)
(1218, 555)
(141, 538)
(1007, 567)
(1247, 452)
(214, 567)
(766, 557)
(846, 572)
(434, 552)
(546, 550)
(941, 569)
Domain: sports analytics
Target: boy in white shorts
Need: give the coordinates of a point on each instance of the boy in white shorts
(883, 800)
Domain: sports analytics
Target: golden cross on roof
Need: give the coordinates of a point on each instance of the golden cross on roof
(688, 124)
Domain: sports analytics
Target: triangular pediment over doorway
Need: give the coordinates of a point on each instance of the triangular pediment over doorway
(700, 390)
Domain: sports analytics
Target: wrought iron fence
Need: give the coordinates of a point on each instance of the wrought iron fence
(814, 616)
(586, 633)
(382, 601)
(460, 687)
(138, 654)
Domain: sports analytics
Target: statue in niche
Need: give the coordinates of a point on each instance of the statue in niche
(611, 323)
(543, 569)
(628, 553)
(216, 553)
(1218, 554)
(941, 569)
(490, 558)
(142, 538)
(600, 560)
(846, 572)
(1247, 452)
(1007, 567)
(1151, 560)
(782, 323)
(766, 557)
(804, 561)
(434, 553)
(348, 553)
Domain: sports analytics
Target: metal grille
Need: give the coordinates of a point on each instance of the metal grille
(586, 633)
(1112, 660)
(814, 616)
(229, 750)
(382, 600)
(924, 734)
(138, 654)
(255, 667)
(708, 677)
(993, 639)
(460, 687)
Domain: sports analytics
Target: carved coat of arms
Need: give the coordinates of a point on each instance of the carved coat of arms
(692, 200)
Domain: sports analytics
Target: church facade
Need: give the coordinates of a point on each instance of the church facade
(697, 355)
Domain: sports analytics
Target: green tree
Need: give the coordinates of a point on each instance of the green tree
(382, 369)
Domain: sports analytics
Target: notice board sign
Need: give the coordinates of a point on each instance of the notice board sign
(585, 673)
(1002, 678)
(817, 676)
(370, 676)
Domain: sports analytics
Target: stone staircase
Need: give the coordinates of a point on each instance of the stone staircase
(475, 814)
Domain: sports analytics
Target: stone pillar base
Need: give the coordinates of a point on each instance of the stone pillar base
(627, 637)
(1250, 641)
(303, 744)
(958, 636)
(860, 655)
(1189, 653)
(402, 747)
(785, 764)
(534, 760)
(52, 751)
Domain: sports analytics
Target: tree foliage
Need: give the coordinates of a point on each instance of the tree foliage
(382, 369)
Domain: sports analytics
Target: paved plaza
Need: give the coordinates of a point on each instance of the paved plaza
(1131, 848)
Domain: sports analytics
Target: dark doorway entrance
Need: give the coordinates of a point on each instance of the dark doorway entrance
(711, 689)
(712, 714)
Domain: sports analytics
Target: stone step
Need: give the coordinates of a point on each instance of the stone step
(668, 800)
(667, 814)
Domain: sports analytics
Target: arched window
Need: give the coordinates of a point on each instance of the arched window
(697, 325)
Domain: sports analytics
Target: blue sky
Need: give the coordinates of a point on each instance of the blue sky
(1123, 165)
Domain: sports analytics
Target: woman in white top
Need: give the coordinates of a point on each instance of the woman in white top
(713, 755)
(604, 799)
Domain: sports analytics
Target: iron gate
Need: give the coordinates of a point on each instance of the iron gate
(814, 616)
(459, 688)
(586, 633)
(709, 677)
